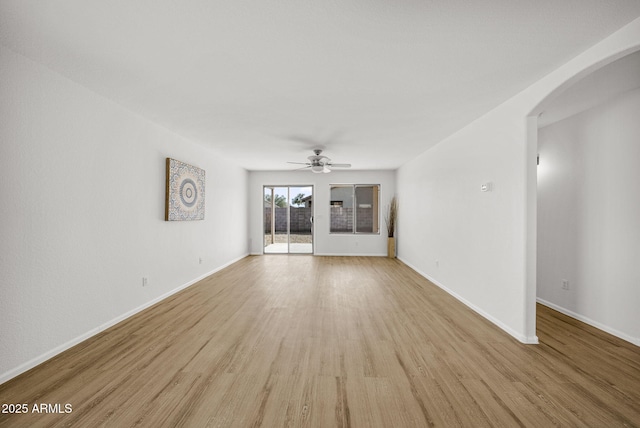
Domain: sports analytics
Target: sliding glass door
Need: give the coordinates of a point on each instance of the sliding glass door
(288, 219)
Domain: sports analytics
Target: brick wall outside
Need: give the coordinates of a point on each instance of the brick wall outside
(300, 219)
(341, 219)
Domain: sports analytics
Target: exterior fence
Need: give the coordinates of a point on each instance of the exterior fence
(300, 220)
(341, 220)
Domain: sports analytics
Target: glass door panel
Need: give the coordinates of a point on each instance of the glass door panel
(276, 201)
(288, 219)
(301, 220)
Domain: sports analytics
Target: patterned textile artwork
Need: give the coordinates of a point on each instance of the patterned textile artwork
(185, 192)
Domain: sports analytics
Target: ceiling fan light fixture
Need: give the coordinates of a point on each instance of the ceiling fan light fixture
(319, 164)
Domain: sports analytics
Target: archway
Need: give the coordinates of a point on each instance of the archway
(532, 119)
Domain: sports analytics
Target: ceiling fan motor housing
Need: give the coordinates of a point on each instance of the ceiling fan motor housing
(320, 164)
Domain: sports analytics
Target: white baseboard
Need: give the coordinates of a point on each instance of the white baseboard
(586, 320)
(59, 349)
(322, 254)
(349, 255)
(520, 337)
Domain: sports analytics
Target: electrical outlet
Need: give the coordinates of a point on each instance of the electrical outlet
(565, 284)
(437, 263)
(145, 281)
(200, 260)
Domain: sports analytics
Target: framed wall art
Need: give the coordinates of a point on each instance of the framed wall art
(185, 192)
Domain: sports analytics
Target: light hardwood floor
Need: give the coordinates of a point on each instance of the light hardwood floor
(331, 341)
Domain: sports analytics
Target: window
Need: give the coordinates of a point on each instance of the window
(354, 208)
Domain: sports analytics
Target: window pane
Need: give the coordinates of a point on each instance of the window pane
(354, 208)
(367, 209)
(341, 209)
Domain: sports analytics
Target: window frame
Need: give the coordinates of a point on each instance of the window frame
(376, 211)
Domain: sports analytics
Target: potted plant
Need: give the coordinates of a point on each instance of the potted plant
(390, 218)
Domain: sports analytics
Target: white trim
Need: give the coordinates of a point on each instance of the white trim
(586, 320)
(322, 254)
(532, 340)
(350, 255)
(59, 349)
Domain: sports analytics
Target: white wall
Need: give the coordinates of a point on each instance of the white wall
(82, 213)
(468, 241)
(589, 216)
(485, 243)
(324, 242)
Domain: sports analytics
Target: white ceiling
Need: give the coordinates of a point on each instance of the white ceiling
(374, 82)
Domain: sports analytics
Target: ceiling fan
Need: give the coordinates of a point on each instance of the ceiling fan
(319, 163)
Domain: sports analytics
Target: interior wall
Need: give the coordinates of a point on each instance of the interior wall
(589, 216)
(469, 241)
(481, 246)
(325, 243)
(83, 189)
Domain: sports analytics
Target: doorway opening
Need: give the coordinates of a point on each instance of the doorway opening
(587, 201)
(595, 85)
(288, 219)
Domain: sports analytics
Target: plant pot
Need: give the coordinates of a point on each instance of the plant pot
(391, 248)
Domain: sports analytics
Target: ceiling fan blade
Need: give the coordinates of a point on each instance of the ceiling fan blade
(298, 169)
(319, 163)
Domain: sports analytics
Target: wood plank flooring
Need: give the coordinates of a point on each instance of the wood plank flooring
(303, 341)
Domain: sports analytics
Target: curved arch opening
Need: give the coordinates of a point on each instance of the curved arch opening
(586, 102)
